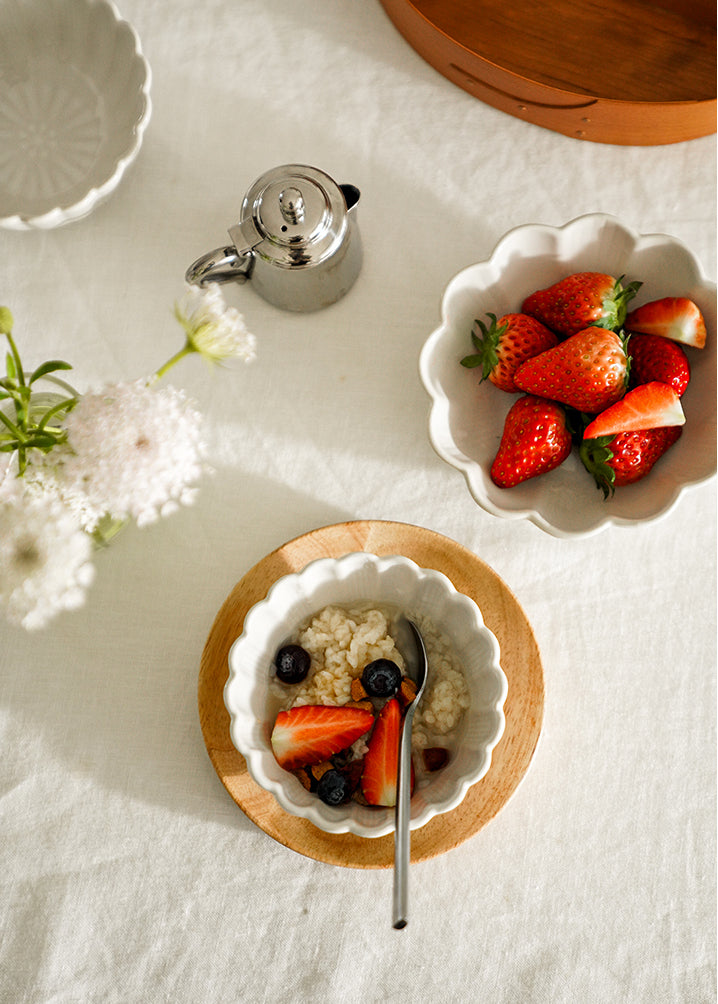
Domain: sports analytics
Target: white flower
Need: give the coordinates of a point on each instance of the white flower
(213, 329)
(133, 450)
(44, 557)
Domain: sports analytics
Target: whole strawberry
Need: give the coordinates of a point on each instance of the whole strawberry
(627, 457)
(534, 441)
(656, 358)
(579, 300)
(503, 345)
(588, 371)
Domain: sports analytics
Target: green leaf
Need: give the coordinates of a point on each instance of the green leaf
(16, 361)
(49, 367)
(615, 306)
(595, 454)
(42, 441)
(485, 340)
(10, 367)
(471, 361)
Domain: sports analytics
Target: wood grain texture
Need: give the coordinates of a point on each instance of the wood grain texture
(520, 660)
(611, 71)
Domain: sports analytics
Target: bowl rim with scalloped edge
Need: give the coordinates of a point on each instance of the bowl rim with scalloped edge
(75, 107)
(397, 582)
(466, 418)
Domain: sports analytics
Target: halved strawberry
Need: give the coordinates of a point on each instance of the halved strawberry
(381, 762)
(673, 317)
(311, 733)
(627, 457)
(648, 406)
(504, 344)
(580, 300)
(654, 357)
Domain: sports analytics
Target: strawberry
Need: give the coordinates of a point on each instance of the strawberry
(535, 440)
(656, 358)
(580, 300)
(311, 733)
(381, 762)
(648, 406)
(627, 457)
(588, 371)
(505, 344)
(673, 317)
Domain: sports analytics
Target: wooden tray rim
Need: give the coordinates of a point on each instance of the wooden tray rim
(524, 706)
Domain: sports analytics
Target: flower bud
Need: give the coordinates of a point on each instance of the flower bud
(6, 321)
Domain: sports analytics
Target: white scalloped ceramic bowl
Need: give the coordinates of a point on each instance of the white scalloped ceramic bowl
(466, 419)
(74, 105)
(398, 582)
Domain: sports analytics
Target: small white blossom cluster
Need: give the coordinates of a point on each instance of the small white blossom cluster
(129, 451)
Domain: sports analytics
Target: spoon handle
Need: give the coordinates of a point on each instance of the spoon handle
(402, 838)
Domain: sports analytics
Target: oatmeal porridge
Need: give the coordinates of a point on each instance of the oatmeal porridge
(341, 642)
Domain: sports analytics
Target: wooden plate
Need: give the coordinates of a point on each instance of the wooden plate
(632, 72)
(520, 661)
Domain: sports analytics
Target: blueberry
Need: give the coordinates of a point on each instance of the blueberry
(292, 663)
(333, 788)
(381, 678)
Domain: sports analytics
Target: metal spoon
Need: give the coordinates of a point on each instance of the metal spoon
(411, 646)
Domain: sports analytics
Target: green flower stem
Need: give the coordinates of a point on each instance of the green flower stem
(17, 432)
(186, 351)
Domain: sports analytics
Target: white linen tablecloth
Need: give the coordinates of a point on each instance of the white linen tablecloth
(127, 872)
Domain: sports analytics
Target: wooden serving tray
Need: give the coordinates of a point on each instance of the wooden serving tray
(520, 661)
(632, 72)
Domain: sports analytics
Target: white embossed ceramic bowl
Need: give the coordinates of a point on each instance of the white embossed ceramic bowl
(74, 105)
(466, 418)
(399, 583)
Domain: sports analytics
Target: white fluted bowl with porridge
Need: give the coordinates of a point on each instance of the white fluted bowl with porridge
(317, 690)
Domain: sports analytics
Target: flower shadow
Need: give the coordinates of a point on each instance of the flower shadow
(115, 684)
